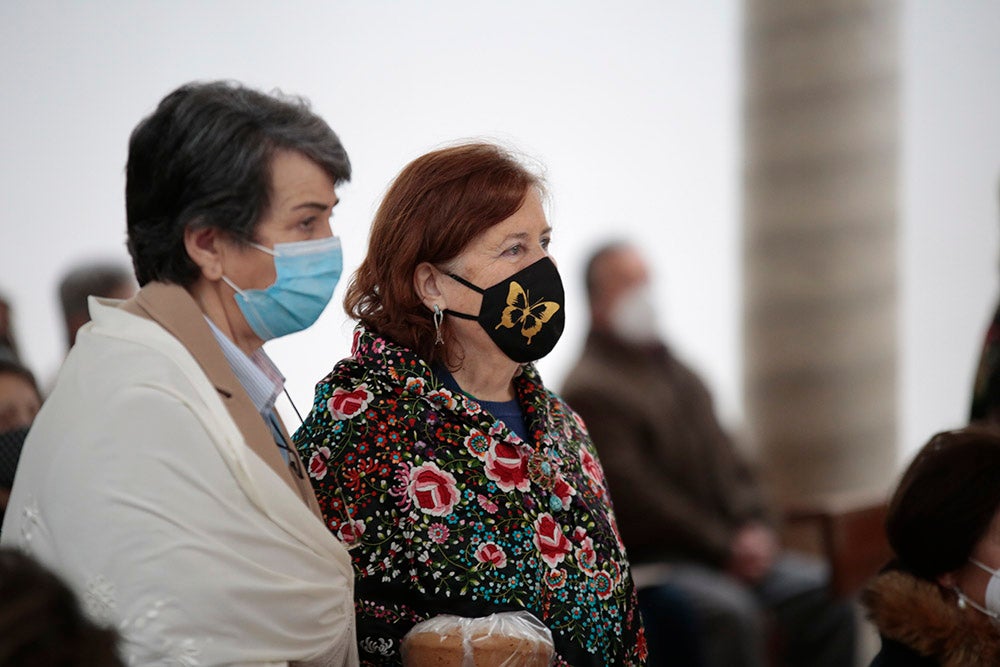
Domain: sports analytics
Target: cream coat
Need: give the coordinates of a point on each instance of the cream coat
(154, 488)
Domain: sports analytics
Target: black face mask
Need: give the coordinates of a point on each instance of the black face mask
(523, 314)
(11, 443)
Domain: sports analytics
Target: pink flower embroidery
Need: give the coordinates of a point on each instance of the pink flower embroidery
(591, 467)
(487, 504)
(507, 467)
(491, 553)
(351, 531)
(438, 532)
(317, 463)
(550, 541)
(585, 555)
(564, 491)
(433, 490)
(346, 404)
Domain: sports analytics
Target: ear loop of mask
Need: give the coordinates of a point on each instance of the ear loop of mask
(260, 247)
(463, 281)
(964, 600)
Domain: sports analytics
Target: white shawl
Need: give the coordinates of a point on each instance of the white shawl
(136, 486)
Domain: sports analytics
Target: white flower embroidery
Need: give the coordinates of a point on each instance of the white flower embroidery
(100, 601)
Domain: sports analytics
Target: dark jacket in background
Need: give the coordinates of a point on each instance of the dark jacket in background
(680, 488)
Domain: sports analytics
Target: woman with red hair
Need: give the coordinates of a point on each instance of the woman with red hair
(460, 483)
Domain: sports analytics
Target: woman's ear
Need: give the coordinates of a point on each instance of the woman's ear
(203, 245)
(426, 281)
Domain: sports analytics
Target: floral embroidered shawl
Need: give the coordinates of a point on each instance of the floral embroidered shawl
(446, 510)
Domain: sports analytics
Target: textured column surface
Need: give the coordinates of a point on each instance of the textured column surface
(820, 208)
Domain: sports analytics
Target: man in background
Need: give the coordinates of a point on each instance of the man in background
(683, 495)
(103, 279)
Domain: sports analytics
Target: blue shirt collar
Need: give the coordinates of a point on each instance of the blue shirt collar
(257, 373)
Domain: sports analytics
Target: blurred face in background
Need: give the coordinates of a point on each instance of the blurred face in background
(617, 275)
(19, 402)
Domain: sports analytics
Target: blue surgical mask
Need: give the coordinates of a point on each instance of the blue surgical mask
(307, 273)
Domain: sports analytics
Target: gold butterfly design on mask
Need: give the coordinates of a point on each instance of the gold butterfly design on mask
(520, 310)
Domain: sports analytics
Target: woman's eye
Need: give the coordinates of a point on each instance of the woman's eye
(513, 250)
(307, 223)
(546, 242)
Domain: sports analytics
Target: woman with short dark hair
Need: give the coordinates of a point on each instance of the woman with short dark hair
(158, 479)
(938, 603)
(462, 485)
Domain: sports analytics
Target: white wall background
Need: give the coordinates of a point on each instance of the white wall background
(951, 182)
(633, 107)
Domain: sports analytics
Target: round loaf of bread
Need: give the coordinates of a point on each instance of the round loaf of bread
(487, 642)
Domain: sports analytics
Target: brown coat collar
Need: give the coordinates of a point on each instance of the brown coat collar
(172, 307)
(926, 618)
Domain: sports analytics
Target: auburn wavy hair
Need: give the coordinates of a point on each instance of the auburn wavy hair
(434, 208)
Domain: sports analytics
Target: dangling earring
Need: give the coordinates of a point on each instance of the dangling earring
(961, 598)
(438, 318)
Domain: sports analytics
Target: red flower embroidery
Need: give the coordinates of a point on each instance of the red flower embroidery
(586, 556)
(507, 467)
(591, 467)
(555, 579)
(351, 531)
(317, 463)
(478, 443)
(564, 491)
(550, 540)
(603, 585)
(433, 490)
(346, 404)
(640, 644)
(491, 553)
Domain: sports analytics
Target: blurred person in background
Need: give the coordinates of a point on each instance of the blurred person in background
(683, 494)
(462, 484)
(41, 622)
(938, 602)
(103, 279)
(20, 401)
(157, 479)
(8, 342)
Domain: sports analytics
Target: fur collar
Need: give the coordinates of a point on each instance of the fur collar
(926, 618)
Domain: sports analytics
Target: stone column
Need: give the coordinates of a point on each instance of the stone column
(820, 256)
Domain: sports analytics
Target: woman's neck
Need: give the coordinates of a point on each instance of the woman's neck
(226, 319)
(486, 381)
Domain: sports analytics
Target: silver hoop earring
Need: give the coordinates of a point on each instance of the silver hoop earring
(438, 318)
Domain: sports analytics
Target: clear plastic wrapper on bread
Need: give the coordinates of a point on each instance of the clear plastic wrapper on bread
(507, 639)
